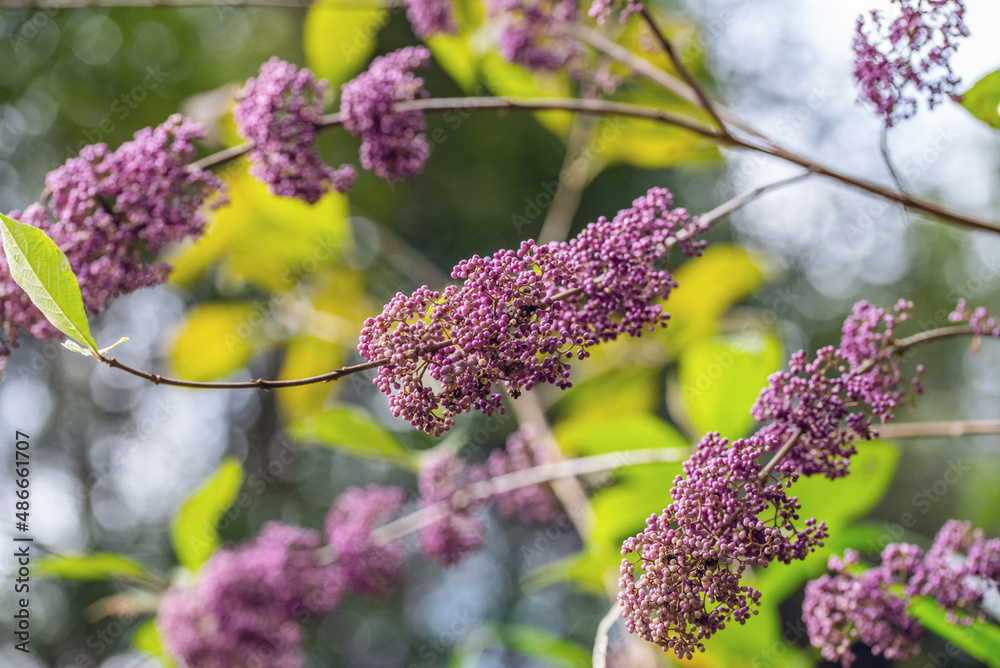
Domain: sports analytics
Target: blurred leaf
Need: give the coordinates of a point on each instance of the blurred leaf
(585, 434)
(214, 339)
(69, 344)
(650, 144)
(195, 528)
(147, 639)
(538, 643)
(621, 510)
(721, 379)
(453, 54)
(307, 356)
(983, 99)
(93, 566)
(350, 429)
(272, 242)
(38, 266)
(980, 640)
(612, 394)
(707, 287)
(340, 37)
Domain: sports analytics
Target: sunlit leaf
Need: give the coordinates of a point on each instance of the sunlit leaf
(650, 144)
(340, 37)
(707, 287)
(980, 639)
(983, 99)
(351, 430)
(722, 377)
(216, 338)
(537, 643)
(453, 54)
(43, 272)
(147, 639)
(510, 80)
(195, 528)
(271, 242)
(584, 434)
(612, 394)
(93, 566)
(308, 356)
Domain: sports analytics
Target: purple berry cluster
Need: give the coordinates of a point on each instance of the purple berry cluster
(431, 17)
(870, 605)
(727, 513)
(393, 143)
(685, 583)
(532, 504)
(109, 211)
(537, 33)
(520, 316)
(443, 482)
(249, 600)
(601, 10)
(895, 59)
(979, 320)
(245, 607)
(279, 111)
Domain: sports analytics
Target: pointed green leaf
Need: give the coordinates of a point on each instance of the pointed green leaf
(983, 99)
(147, 639)
(43, 272)
(195, 529)
(94, 566)
(980, 639)
(348, 428)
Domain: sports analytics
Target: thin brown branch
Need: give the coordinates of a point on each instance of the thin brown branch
(786, 447)
(668, 47)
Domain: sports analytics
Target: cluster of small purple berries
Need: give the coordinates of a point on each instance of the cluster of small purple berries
(109, 211)
(870, 605)
(520, 316)
(431, 17)
(249, 600)
(979, 319)
(279, 111)
(537, 34)
(445, 485)
(393, 143)
(681, 578)
(895, 59)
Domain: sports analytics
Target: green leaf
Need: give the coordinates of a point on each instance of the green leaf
(147, 639)
(592, 435)
(93, 566)
(350, 429)
(537, 643)
(983, 99)
(216, 338)
(980, 639)
(195, 533)
(340, 37)
(612, 394)
(76, 348)
(43, 272)
(721, 379)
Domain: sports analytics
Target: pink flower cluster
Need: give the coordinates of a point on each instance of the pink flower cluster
(895, 59)
(109, 211)
(393, 143)
(520, 316)
(870, 605)
(979, 320)
(681, 578)
(601, 10)
(279, 112)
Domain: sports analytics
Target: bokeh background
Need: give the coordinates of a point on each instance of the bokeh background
(279, 289)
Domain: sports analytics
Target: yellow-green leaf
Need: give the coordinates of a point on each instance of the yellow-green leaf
(216, 338)
(43, 272)
(195, 528)
(584, 434)
(350, 429)
(147, 639)
(721, 378)
(93, 566)
(983, 99)
(340, 37)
